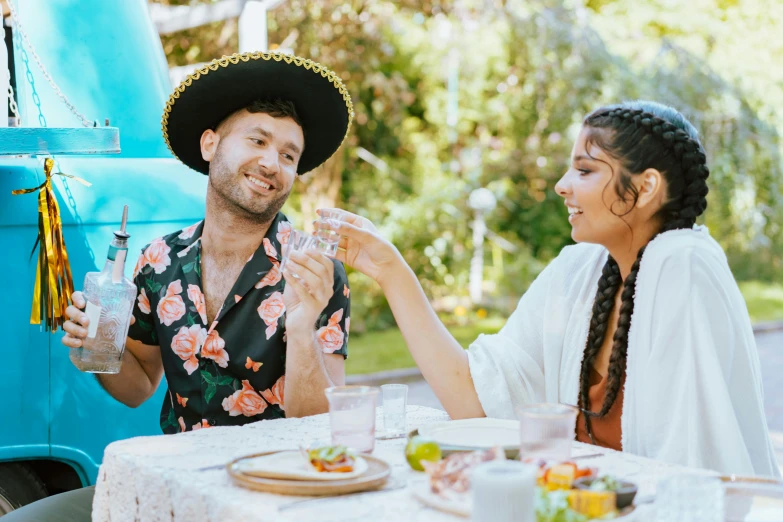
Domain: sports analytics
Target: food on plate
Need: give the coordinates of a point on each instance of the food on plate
(594, 504)
(559, 475)
(555, 500)
(331, 459)
(451, 476)
(553, 506)
(605, 483)
(420, 449)
(625, 491)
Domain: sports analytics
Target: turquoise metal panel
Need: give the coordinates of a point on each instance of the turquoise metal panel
(24, 374)
(24, 452)
(156, 190)
(84, 466)
(106, 57)
(163, 196)
(47, 140)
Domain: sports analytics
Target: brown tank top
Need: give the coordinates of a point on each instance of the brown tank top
(607, 431)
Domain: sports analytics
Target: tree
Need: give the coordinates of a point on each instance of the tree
(453, 95)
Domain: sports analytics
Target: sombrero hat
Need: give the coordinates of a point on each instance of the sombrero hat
(224, 86)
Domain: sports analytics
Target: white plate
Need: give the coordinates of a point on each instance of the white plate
(291, 465)
(421, 491)
(474, 433)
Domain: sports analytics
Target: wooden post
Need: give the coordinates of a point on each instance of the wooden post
(252, 27)
(253, 34)
(172, 18)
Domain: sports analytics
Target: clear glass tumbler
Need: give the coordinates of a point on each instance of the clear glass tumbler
(687, 498)
(352, 416)
(546, 431)
(326, 239)
(395, 403)
(299, 241)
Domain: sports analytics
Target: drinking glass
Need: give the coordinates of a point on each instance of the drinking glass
(326, 239)
(395, 402)
(352, 416)
(299, 241)
(686, 498)
(546, 431)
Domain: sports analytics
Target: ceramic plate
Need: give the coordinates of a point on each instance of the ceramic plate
(475, 433)
(292, 466)
(421, 491)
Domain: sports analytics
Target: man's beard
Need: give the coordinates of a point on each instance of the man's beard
(234, 199)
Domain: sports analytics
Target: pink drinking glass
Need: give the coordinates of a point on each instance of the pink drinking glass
(352, 416)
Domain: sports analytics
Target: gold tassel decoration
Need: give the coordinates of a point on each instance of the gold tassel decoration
(53, 280)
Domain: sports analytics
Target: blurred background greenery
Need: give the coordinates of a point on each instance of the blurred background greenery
(451, 96)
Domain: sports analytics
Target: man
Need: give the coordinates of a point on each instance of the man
(237, 340)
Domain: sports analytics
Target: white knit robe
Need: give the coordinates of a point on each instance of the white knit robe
(693, 393)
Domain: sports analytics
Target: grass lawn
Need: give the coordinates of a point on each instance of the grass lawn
(386, 350)
(764, 300)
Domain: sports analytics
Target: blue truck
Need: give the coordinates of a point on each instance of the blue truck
(107, 61)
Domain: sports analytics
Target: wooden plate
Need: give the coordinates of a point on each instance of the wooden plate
(377, 474)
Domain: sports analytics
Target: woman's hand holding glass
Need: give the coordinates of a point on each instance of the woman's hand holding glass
(361, 246)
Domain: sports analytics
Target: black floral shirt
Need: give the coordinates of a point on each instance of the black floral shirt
(233, 371)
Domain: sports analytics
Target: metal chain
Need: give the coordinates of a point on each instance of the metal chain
(42, 121)
(65, 100)
(77, 218)
(30, 80)
(12, 98)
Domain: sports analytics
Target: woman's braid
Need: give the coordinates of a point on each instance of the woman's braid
(683, 162)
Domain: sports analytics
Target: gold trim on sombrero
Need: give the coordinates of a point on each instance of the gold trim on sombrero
(225, 61)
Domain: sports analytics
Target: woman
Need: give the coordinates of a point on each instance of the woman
(641, 323)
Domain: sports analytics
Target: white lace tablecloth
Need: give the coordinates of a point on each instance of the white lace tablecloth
(161, 478)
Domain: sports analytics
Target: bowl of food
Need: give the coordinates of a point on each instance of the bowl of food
(625, 491)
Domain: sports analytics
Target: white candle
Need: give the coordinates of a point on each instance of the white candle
(503, 491)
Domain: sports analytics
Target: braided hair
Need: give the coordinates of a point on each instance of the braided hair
(639, 135)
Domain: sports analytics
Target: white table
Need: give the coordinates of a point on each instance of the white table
(161, 477)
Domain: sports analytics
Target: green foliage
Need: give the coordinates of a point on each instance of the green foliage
(710, 58)
(454, 95)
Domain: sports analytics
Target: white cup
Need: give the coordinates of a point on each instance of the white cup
(504, 491)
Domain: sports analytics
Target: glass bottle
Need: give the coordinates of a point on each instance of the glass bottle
(110, 297)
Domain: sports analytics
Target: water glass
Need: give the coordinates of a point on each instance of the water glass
(687, 498)
(352, 416)
(297, 240)
(326, 239)
(395, 402)
(546, 431)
